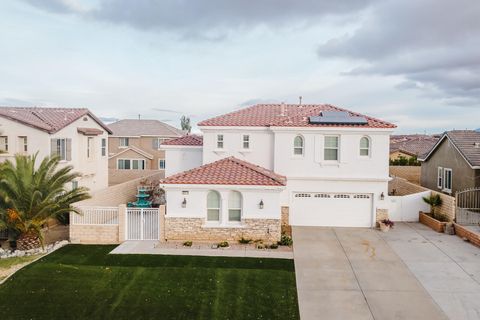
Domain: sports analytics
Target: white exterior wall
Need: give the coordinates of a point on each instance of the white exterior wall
(261, 145)
(181, 158)
(94, 170)
(197, 201)
(406, 208)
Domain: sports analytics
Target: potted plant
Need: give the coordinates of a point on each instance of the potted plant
(386, 224)
(434, 201)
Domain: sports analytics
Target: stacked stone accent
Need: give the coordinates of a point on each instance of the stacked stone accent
(285, 221)
(381, 214)
(193, 229)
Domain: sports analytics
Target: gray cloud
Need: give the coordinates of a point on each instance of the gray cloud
(432, 43)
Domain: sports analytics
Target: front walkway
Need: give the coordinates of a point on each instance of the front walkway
(447, 267)
(199, 249)
(352, 273)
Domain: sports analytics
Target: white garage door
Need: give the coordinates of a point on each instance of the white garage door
(331, 209)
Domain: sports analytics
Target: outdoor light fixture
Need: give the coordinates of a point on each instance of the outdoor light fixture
(260, 205)
(382, 196)
(184, 203)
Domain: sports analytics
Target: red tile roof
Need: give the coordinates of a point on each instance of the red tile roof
(415, 145)
(228, 171)
(188, 140)
(50, 120)
(286, 115)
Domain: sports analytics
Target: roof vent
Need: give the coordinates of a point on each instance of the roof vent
(337, 117)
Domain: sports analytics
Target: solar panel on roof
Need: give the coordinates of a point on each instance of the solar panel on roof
(337, 117)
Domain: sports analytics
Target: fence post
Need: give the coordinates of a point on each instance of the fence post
(161, 223)
(122, 222)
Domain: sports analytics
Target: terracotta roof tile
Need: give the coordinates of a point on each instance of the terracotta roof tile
(415, 145)
(286, 115)
(47, 119)
(188, 140)
(228, 171)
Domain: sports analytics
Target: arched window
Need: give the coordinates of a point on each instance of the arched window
(365, 147)
(213, 206)
(298, 145)
(234, 206)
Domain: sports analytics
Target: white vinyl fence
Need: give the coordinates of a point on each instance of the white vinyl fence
(406, 208)
(95, 216)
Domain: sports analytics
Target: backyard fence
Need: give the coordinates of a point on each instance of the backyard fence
(468, 207)
(95, 216)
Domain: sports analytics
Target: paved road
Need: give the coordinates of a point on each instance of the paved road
(352, 273)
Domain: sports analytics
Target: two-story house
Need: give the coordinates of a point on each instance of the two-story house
(453, 163)
(313, 165)
(76, 135)
(135, 148)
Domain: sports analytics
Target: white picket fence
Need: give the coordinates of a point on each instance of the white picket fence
(143, 224)
(95, 216)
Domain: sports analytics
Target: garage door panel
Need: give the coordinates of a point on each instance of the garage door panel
(331, 209)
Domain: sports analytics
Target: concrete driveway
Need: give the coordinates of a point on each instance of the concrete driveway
(352, 273)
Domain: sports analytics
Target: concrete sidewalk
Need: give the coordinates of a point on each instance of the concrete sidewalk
(447, 267)
(154, 247)
(352, 273)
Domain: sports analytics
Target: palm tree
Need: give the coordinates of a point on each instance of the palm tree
(434, 200)
(30, 195)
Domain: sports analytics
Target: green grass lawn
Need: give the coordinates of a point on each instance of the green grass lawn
(84, 282)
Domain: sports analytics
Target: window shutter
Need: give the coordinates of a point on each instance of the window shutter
(68, 142)
(53, 147)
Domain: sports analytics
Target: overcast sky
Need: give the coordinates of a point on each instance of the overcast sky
(414, 63)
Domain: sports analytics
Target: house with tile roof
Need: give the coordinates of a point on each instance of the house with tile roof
(415, 145)
(270, 165)
(135, 148)
(76, 135)
(453, 163)
(184, 153)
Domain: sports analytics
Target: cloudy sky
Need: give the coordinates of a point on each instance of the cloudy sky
(414, 63)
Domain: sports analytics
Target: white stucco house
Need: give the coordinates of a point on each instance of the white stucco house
(329, 167)
(77, 136)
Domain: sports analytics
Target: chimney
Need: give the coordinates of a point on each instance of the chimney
(282, 109)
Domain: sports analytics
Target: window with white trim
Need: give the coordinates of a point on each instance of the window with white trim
(447, 180)
(213, 206)
(298, 144)
(90, 147)
(131, 164)
(123, 142)
(219, 141)
(60, 148)
(440, 178)
(330, 148)
(364, 147)
(23, 144)
(246, 141)
(4, 143)
(235, 206)
(161, 164)
(104, 147)
(157, 143)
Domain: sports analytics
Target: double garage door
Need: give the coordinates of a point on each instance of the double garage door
(331, 209)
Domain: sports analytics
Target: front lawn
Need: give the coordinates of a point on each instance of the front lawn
(84, 282)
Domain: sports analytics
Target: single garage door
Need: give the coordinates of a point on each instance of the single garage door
(331, 209)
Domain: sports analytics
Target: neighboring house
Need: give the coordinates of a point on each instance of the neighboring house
(453, 164)
(407, 146)
(77, 136)
(311, 165)
(135, 148)
(185, 153)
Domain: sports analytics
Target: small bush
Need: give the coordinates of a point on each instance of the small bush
(388, 222)
(285, 240)
(187, 243)
(260, 245)
(245, 241)
(273, 246)
(223, 244)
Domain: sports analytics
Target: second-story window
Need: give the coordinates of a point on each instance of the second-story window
(219, 141)
(246, 141)
(331, 148)
(123, 142)
(364, 147)
(22, 144)
(104, 147)
(161, 164)
(157, 143)
(89, 147)
(298, 146)
(4, 143)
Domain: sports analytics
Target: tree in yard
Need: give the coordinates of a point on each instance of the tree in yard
(434, 200)
(31, 194)
(185, 124)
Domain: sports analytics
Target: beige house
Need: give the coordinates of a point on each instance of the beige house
(134, 148)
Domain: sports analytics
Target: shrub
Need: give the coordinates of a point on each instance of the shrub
(434, 200)
(245, 241)
(260, 245)
(223, 244)
(187, 243)
(273, 246)
(388, 222)
(285, 240)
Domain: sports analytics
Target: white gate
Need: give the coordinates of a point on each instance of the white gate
(143, 224)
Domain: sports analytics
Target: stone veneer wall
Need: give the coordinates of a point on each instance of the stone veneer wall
(94, 234)
(191, 229)
(285, 222)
